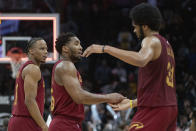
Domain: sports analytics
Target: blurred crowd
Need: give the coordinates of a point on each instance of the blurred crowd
(108, 22)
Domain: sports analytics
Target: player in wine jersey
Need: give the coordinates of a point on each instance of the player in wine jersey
(28, 106)
(68, 96)
(156, 93)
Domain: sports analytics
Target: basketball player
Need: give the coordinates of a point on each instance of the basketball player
(68, 96)
(156, 94)
(28, 106)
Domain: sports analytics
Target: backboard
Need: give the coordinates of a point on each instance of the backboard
(17, 29)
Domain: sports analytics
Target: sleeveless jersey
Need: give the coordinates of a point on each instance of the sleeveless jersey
(156, 81)
(19, 107)
(62, 103)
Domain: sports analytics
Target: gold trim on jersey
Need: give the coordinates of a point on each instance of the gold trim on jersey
(136, 125)
(170, 52)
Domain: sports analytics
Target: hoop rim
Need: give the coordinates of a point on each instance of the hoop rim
(16, 54)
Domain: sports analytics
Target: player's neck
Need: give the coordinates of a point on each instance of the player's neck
(38, 63)
(151, 33)
(66, 58)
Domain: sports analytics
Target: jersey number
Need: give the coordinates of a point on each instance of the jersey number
(52, 101)
(16, 95)
(170, 75)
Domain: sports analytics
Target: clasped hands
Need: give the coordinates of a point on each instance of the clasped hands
(124, 104)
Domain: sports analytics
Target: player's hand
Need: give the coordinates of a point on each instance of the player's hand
(45, 128)
(123, 105)
(115, 98)
(93, 49)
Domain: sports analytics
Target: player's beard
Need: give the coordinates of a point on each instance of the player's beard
(140, 38)
(75, 57)
(141, 33)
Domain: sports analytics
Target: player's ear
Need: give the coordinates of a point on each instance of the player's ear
(145, 27)
(30, 51)
(65, 49)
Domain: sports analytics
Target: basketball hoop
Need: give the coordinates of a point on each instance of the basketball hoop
(16, 54)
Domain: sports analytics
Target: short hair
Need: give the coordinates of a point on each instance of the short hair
(146, 14)
(32, 42)
(62, 40)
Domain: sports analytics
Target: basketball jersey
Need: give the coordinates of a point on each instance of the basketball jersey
(62, 103)
(156, 81)
(19, 107)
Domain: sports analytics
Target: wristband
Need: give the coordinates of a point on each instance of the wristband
(103, 48)
(131, 103)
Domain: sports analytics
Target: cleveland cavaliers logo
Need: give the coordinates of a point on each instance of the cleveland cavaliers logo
(136, 125)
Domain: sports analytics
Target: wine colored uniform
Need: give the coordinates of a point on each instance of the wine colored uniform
(67, 115)
(21, 119)
(157, 104)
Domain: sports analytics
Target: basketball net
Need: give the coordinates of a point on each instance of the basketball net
(16, 55)
(15, 65)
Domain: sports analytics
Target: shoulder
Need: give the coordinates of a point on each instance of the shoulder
(151, 41)
(65, 66)
(32, 70)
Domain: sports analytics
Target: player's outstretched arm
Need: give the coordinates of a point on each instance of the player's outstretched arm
(68, 75)
(124, 105)
(31, 75)
(139, 59)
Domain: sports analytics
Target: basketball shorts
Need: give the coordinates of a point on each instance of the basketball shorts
(154, 119)
(19, 123)
(60, 123)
